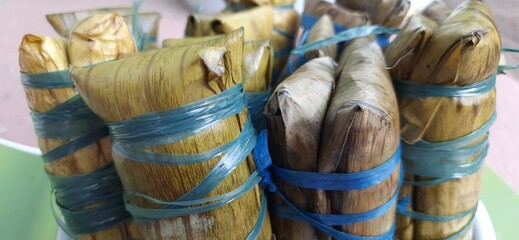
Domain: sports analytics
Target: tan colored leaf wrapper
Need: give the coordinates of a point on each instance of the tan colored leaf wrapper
(322, 29)
(63, 23)
(98, 39)
(257, 59)
(41, 54)
(253, 3)
(295, 114)
(187, 74)
(464, 49)
(286, 25)
(405, 50)
(343, 16)
(360, 132)
(258, 23)
(389, 13)
(257, 66)
(402, 53)
(437, 11)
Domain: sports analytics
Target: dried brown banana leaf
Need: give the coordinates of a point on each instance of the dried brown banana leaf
(345, 17)
(121, 89)
(402, 54)
(295, 114)
(322, 29)
(360, 132)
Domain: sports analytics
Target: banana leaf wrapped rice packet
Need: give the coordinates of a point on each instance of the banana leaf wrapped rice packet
(358, 148)
(361, 139)
(451, 81)
(295, 114)
(75, 143)
(187, 163)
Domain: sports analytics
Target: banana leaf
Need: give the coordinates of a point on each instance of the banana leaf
(464, 49)
(360, 132)
(167, 79)
(295, 114)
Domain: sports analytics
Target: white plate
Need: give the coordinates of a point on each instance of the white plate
(483, 228)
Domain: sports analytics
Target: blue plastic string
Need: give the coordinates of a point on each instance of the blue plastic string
(404, 203)
(284, 7)
(278, 53)
(282, 52)
(58, 79)
(89, 202)
(276, 73)
(347, 35)
(133, 136)
(339, 181)
(150, 130)
(445, 161)
(75, 196)
(408, 89)
(337, 219)
(283, 33)
(184, 208)
(75, 144)
(297, 57)
(141, 39)
(256, 103)
(152, 39)
(323, 222)
(502, 68)
(70, 119)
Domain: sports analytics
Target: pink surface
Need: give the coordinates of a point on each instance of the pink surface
(25, 16)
